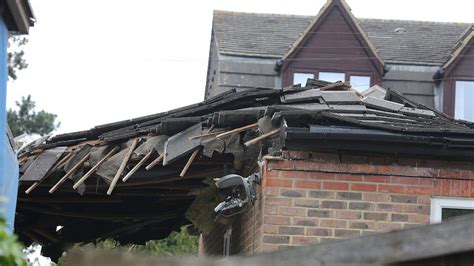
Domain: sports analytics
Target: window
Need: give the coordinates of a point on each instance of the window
(332, 76)
(463, 107)
(445, 208)
(301, 78)
(360, 83)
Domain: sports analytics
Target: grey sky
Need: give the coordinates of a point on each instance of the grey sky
(94, 62)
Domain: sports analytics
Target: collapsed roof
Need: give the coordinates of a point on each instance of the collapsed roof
(134, 180)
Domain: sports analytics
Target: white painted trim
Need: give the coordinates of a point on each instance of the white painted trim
(437, 205)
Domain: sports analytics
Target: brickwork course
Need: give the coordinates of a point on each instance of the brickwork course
(315, 197)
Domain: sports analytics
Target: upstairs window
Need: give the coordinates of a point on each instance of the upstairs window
(463, 107)
(360, 83)
(445, 208)
(301, 78)
(332, 76)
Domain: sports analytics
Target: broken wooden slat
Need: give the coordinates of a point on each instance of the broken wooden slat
(206, 134)
(32, 187)
(68, 174)
(193, 156)
(139, 164)
(262, 137)
(92, 170)
(190, 161)
(122, 166)
(237, 130)
(22, 160)
(154, 163)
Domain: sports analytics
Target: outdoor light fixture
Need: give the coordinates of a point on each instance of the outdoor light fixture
(237, 194)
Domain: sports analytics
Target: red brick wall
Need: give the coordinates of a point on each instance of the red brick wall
(310, 198)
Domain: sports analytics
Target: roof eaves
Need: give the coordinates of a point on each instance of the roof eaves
(459, 46)
(22, 15)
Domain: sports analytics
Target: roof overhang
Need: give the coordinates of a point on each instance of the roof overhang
(459, 48)
(18, 16)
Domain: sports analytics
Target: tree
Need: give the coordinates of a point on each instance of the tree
(16, 61)
(26, 120)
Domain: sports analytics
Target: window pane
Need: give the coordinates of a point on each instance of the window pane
(331, 76)
(450, 213)
(360, 83)
(301, 78)
(464, 109)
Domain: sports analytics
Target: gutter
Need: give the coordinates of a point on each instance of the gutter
(330, 138)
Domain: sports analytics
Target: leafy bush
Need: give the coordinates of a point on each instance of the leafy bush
(11, 251)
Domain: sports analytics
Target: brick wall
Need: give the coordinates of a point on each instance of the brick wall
(310, 197)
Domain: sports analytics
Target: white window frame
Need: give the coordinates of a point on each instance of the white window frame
(438, 204)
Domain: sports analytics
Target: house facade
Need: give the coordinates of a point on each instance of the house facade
(429, 62)
(16, 18)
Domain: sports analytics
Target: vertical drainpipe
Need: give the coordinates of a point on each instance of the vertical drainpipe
(8, 161)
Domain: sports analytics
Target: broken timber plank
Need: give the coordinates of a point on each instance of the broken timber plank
(122, 166)
(154, 163)
(28, 191)
(193, 156)
(262, 137)
(92, 170)
(68, 174)
(190, 161)
(139, 164)
(237, 130)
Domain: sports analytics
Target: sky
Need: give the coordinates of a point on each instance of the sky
(95, 62)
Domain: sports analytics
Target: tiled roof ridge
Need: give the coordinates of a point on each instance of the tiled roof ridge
(217, 11)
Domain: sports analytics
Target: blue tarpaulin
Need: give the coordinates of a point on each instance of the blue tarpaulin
(8, 161)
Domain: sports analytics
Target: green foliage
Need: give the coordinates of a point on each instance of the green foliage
(11, 251)
(26, 120)
(16, 61)
(175, 244)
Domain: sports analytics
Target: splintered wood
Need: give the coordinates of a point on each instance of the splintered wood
(262, 137)
(237, 130)
(68, 174)
(92, 170)
(154, 163)
(139, 164)
(122, 166)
